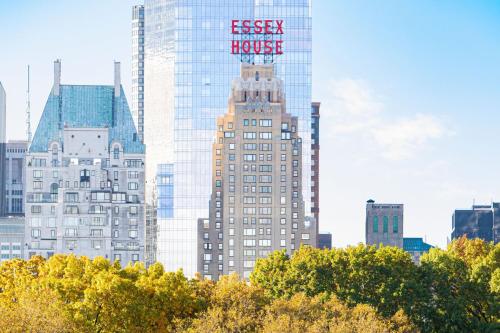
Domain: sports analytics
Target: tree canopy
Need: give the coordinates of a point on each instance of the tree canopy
(356, 289)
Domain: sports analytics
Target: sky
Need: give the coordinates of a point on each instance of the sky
(409, 92)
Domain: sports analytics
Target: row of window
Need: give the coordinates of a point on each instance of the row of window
(385, 224)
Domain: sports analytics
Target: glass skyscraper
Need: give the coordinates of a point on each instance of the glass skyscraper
(188, 71)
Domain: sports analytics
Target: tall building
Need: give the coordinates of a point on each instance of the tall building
(15, 176)
(315, 162)
(482, 221)
(11, 237)
(325, 240)
(3, 137)
(416, 247)
(137, 105)
(188, 69)
(85, 175)
(256, 205)
(384, 224)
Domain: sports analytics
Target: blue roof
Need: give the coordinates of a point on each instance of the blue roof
(89, 106)
(415, 244)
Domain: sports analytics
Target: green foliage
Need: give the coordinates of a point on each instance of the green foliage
(356, 289)
(453, 290)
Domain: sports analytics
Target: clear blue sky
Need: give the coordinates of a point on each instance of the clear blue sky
(410, 96)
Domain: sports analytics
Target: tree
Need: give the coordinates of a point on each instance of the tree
(235, 306)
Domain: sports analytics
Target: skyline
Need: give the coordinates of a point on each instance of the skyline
(373, 107)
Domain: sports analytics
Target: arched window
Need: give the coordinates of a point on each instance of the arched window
(386, 225)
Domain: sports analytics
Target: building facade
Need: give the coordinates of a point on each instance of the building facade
(416, 247)
(315, 161)
(85, 175)
(15, 177)
(137, 105)
(11, 238)
(3, 140)
(384, 224)
(481, 221)
(256, 205)
(188, 67)
(325, 241)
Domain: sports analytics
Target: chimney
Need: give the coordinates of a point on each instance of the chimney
(117, 79)
(57, 77)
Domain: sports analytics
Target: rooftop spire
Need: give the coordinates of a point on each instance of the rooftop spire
(57, 77)
(117, 79)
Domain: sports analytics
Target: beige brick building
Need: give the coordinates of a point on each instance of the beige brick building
(256, 205)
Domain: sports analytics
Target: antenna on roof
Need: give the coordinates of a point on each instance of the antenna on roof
(28, 110)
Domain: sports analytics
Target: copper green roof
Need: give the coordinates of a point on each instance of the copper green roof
(87, 106)
(415, 244)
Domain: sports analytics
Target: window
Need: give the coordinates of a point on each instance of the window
(248, 242)
(133, 186)
(249, 157)
(249, 135)
(386, 225)
(133, 174)
(35, 233)
(97, 244)
(265, 123)
(132, 233)
(375, 224)
(249, 179)
(265, 168)
(265, 135)
(37, 185)
(246, 122)
(36, 209)
(249, 232)
(116, 153)
(71, 197)
(395, 224)
(37, 173)
(305, 236)
(249, 146)
(264, 242)
(266, 179)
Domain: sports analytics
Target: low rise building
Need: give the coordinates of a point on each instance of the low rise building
(325, 240)
(11, 237)
(416, 247)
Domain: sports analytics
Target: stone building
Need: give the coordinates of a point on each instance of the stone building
(384, 224)
(256, 205)
(85, 175)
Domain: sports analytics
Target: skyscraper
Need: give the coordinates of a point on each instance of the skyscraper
(137, 105)
(315, 161)
(188, 69)
(85, 175)
(3, 137)
(384, 224)
(256, 205)
(15, 176)
(482, 221)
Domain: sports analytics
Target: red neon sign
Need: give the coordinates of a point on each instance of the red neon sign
(259, 37)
